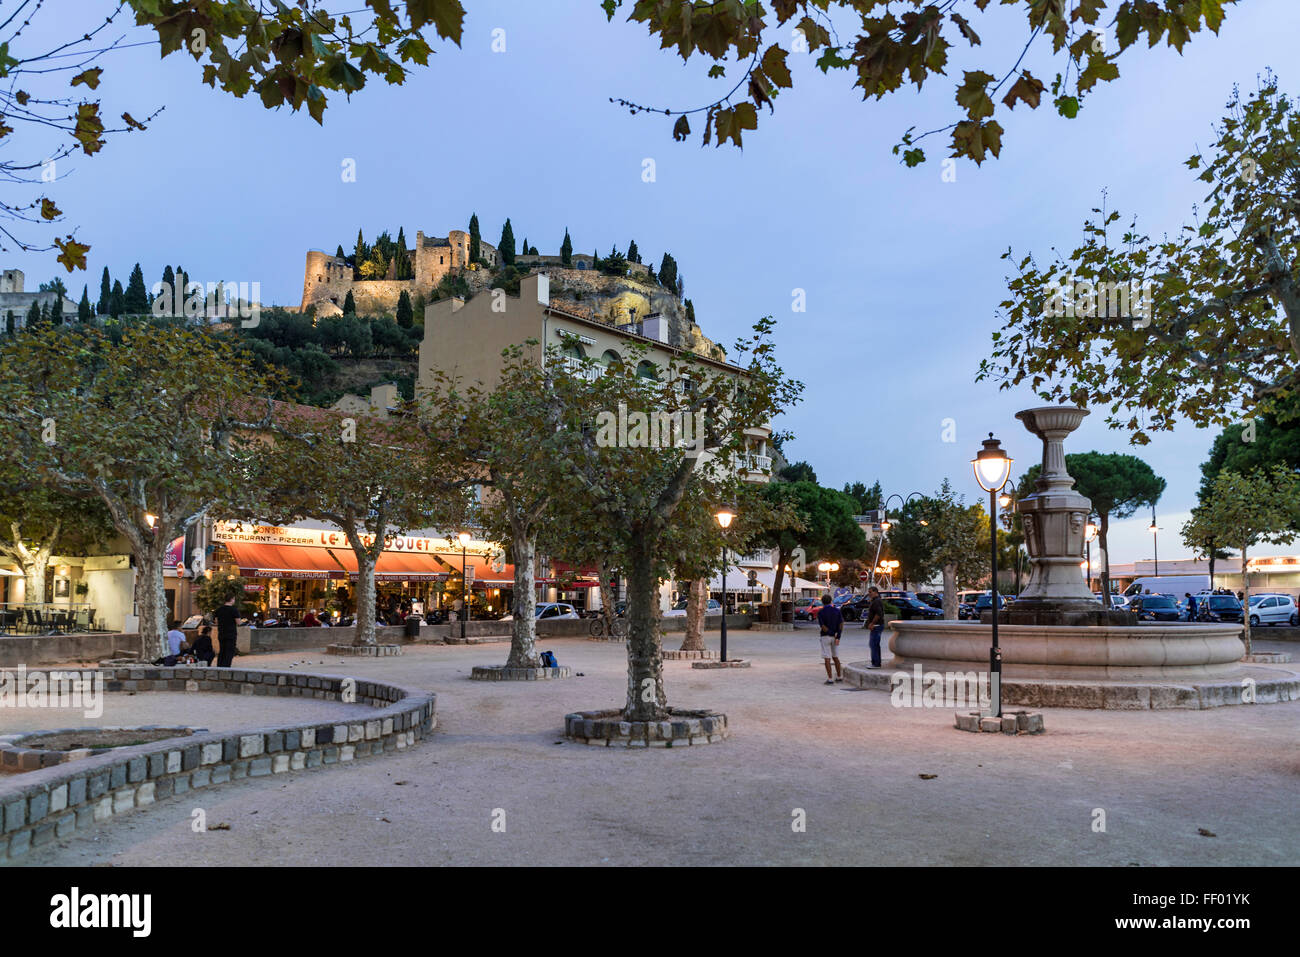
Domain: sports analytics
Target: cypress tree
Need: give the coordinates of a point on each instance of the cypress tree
(339, 254)
(349, 305)
(507, 244)
(668, 273)
(475, 239)
(523, 250)
(116, 300)
(566, 249)
(34, 315)
(105, 290)
(11, 324)
(405, 314)
(83, 307)
(633, 256)
(690, 311)
(361, 254)
(136, 298)
(169, 282)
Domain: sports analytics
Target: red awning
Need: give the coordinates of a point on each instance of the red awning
(300, 561)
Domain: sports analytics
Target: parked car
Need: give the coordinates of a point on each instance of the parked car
(806, 608)
(550, 610)
(1218, 608)
(1155, 608)
(933, 599)
(1268, 609)
(985, 603)
(909, 608)
(679, 610)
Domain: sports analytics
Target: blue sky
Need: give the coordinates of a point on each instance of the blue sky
(901, 270)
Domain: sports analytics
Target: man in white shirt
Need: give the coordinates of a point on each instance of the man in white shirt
(175, 639)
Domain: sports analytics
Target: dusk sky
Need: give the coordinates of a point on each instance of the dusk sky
(901, 270)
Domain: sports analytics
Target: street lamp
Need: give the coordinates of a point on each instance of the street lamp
(724, 515)
(828, 567)
(464, 582)
(1089, 533)
(992, 469)
(885, 524)
(1154, 529)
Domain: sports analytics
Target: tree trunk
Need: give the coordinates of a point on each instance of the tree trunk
(696, 605)
(950, 592)
(151, 598)
(607, 610)
(365, 627)
(1245, 597)
(646, 700)
(523, 629)
(1104, 518)
(1212, 550)
(34, 571)
(778, 579)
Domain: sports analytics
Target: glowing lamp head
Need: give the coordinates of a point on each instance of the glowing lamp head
(464, 538)
(992, 465)
(1090, 531)
(724, 515)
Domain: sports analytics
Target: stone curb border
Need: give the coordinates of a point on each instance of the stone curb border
(729, 663)
(506, 673)
(39, 806)
(679, 655)
(684, 728)
(1267, 658)
(1098, 695)
(1011, 722)
(364, 651)
(607, 638)
(772, 626)
(15, 757)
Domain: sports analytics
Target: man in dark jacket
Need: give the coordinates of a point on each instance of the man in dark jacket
(227, 632)
(832, 625)
(876, 622)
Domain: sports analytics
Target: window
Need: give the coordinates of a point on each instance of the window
(610, 357)
(646, 369)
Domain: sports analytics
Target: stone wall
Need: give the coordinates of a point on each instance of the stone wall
(325, 278)
(32, 650)
(38, 807)
(267, 640)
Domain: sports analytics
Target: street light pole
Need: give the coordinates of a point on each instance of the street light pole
(992, 469)
(724, 515)
(464, 583)
(1155, 539)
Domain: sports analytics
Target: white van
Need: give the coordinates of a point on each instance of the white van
(1176, 585)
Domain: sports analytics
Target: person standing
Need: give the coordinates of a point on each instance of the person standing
(227, 632)
(832, 625)
(876, 622)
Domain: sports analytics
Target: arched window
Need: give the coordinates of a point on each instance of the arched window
(610, 358)
(646, 369)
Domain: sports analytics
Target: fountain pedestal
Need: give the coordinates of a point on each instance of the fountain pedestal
(1055, 517)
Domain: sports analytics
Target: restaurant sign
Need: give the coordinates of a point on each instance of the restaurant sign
(323, 538)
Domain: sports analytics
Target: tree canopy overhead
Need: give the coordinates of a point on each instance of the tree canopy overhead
(1216, 336)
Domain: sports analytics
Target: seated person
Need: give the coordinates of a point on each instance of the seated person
(201, 648)
(310, 620)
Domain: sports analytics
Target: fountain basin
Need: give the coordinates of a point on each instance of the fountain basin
(1120, 652)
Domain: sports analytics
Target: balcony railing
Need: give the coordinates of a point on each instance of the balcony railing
(756, 463)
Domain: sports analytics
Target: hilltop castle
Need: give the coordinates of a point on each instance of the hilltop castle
(616, 300)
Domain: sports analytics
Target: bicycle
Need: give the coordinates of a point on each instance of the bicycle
(617, 629)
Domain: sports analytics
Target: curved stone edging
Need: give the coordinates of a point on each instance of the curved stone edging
(39, 806)
(713, 665)
(506, 673)
(1188, 694)
(682, 729)
(679, 655)
(14, 757)
(364, 651)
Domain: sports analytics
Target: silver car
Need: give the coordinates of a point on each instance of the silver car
(1273, 610)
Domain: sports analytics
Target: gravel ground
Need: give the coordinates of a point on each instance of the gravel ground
(846, 759)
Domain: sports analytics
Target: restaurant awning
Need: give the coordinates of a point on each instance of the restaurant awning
(259, 560)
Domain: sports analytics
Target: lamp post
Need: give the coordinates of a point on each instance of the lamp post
(992, 469)
(885, 524)
(1089, 533)
(464, 582)
(828, 567)
(724, 515)
(1155, 539)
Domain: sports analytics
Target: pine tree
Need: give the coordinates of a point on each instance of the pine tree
(405, 314)
(534, 252)
(507, 244)
(83, 307)
(668, 273)
(349, 305)
(116, 300)
(566, 249)
(361, 254)
(136, 298)
(169, 283)
(418, 308)
(105, 290)
(475, 239)
(633, 256)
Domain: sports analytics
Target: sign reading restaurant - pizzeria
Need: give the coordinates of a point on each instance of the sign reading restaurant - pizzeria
(323, 538)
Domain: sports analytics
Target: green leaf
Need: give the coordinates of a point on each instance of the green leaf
(1067, 106)
(88, 77)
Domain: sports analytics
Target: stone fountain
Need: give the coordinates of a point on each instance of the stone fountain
(1059, 646)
